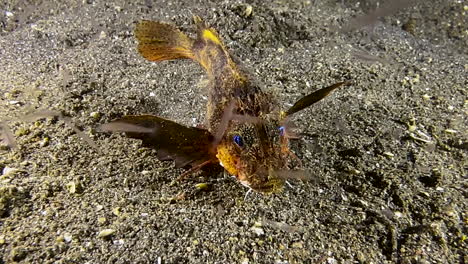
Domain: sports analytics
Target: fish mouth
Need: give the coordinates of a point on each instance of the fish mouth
(273, 180)
(263, 180)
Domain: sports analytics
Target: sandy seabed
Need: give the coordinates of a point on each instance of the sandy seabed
(387, 155)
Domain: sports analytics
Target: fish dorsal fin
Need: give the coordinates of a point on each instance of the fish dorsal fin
(207, 33)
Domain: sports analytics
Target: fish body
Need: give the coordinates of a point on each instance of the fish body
(246, 132)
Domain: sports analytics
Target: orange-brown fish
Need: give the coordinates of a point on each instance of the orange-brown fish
(246, 132)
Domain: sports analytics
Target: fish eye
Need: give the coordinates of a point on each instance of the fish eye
(281, 129)
(238, 140)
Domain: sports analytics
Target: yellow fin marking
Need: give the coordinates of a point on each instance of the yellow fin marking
(208, 34)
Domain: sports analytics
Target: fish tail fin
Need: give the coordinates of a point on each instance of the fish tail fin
(159, 41)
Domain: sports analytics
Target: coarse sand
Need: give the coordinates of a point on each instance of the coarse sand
(387, 155)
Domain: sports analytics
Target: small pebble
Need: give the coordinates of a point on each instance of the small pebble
(116, 211)
(106, 233)
(67, 237)
(102, 35)
(118, 242)
(71, 187)
(44, 142)
(389, 154)
(95, 115)
(257, 230)
(398, 214)
(248, 10)
(9, 171)
(202, 186)
(297, 245)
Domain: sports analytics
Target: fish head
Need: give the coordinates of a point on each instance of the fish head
(254, 152)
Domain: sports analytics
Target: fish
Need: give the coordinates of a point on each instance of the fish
(245, 132)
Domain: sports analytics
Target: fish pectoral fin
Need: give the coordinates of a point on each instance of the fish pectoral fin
(160, 41)
(312, 98)
(184, 145)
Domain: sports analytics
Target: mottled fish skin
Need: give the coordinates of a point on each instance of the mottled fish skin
(261, 151)
(246, 131)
